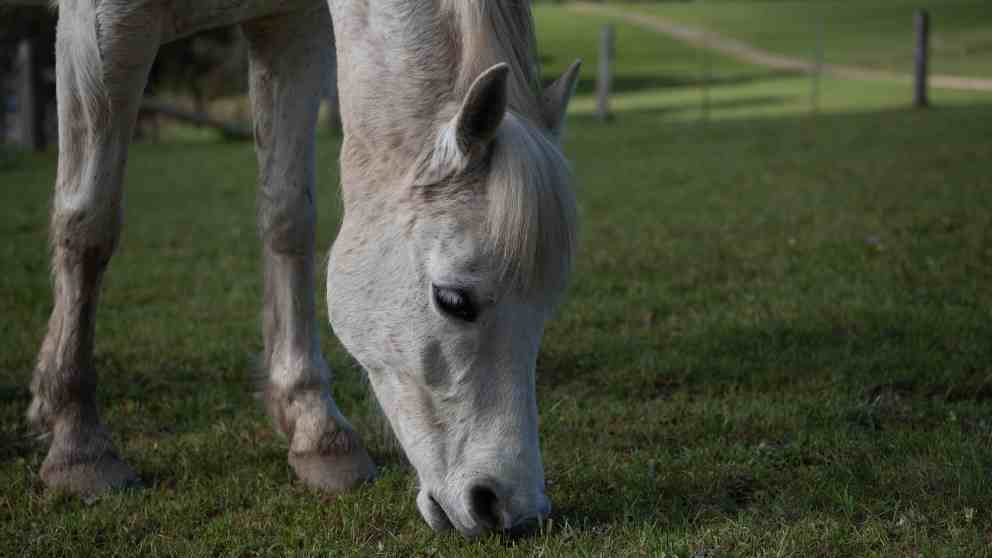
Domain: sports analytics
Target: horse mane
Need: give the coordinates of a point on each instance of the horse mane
(494, 31)
(531, 218)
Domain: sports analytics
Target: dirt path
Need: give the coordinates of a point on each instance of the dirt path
(749, 53)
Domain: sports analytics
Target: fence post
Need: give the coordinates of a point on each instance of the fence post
(29, 133)
(605, 81)
(31, 57)
(922, 58)
(707, 77)
(814, 96)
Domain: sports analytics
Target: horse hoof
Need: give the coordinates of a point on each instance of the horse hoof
(87, 475)
(339, 465)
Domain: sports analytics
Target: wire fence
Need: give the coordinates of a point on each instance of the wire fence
(27, 118)
(707, 44)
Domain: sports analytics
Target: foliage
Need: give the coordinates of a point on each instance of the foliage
(206, 66)
(18, 22)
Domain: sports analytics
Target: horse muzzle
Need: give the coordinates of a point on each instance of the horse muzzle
(483, 505)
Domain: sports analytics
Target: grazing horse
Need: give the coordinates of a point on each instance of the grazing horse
(456, 244)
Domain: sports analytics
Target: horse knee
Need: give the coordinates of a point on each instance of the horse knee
(86, 232)
(104, 52)
(127, 41)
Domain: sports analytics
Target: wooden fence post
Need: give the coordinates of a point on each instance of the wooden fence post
(817, 74)
(29, 130)
(707, 77)
(605, 81)
(922, 58)
(31, 58)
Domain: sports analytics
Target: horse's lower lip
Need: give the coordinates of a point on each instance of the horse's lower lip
(439, 519)
(432, 512)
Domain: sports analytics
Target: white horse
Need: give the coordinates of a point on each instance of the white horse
(457, 240)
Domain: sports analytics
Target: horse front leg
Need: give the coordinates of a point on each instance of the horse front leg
(101, 67)
(289, 54)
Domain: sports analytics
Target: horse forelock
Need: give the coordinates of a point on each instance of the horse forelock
(529, 212)
(531, 217)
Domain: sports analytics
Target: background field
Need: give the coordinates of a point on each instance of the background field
(870, 34)
(776, 343)
(665, 77)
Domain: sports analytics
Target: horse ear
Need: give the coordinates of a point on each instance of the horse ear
(483, 109)
(557, 96)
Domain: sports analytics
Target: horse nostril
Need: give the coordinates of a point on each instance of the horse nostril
(483, 505)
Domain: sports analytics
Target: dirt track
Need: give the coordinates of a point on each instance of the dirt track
(749, 53)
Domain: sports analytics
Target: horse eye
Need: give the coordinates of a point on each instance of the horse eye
(456, 303)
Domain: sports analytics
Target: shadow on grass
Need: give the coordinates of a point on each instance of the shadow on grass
(713, 106)
(932, 337)
(631, 83)
(10, 158)
(864, 351)
(677, 499)
(16, 442)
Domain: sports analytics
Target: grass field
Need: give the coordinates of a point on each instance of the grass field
(777, 342)
(871, 34)
(663, 77)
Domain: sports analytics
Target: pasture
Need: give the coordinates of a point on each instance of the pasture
(871, 34)
(777, 341)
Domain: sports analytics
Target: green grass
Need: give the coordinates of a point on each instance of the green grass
(776, 343)
(658, 75)
(646, 60)
(872, 34)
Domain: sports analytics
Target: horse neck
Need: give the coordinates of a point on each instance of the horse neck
(392, 59)
(404, 64)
